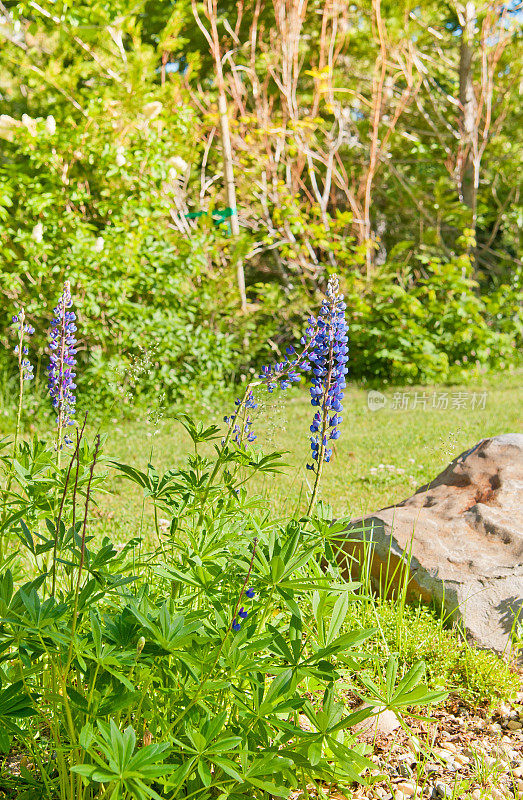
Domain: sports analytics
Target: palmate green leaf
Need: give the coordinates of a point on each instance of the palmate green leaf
(268, 786)
(339, 613)
(198, 432)
(278, 688)
(271, 464)
(133, 474)
(15, 703)
(408, 692)
(420, 696)
(229, 767)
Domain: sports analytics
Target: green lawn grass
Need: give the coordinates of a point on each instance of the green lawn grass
(380, 459)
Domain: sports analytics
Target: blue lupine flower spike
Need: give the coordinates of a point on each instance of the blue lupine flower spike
(62, 344)
(329, 357)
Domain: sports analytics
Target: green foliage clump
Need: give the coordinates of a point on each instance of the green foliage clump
(417, 632)
(185, 669)
(432, 325)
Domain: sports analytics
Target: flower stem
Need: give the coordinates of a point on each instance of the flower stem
(227, 632)
(319, 468)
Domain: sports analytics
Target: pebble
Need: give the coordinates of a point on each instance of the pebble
(404, 770)
(442, 790)
(514, 725)
(399, 795)
(446, 755)
(494, 727)
(518, 772)
(461, 760)
(408, 788)
(476, 794)
(496, 794)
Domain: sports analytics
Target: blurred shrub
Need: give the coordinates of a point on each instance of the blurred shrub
(103, 201)
(431, 324)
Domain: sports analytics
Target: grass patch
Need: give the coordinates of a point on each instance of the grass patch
(380, 459)
(416, 632)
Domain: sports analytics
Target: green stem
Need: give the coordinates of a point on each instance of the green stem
(62, 502)
(218, 462)
(319, 468)
(82, 553)
(222, 645)
(21, 319)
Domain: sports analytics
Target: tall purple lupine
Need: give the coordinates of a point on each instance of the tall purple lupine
(329, 358)
(62, 343)
(324, 355)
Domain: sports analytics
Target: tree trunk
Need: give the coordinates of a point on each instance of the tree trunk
(469, 168)
(230, 186)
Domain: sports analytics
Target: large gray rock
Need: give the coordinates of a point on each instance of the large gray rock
(464, 534)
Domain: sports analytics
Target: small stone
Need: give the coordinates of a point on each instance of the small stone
(514, 725)
(446, 755)
(476, 794)
(451, 746)
(442, 790)
(399, 795)
(461, 760)
(518, 772)
(404, 770)
(494, 727)
(496, 794)
(408, 788)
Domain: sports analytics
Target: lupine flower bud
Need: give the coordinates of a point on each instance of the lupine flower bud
(140, 645)
(24, 365)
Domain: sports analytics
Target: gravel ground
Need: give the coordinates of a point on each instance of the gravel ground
(456, 752)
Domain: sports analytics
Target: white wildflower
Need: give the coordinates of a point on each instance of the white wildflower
(50, 125)
(120, 157)
(29, 123)
(177, 167)
(38, 232)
